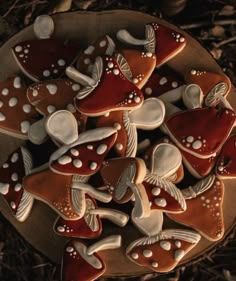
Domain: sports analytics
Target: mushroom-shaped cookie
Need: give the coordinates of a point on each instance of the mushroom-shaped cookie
(160, 40)
(213, 85)
(192, 96)
(137, 66)
(85, 155)
(107, 90)
(82, 263)
(164, 251)
(148, 117)
(66, 194)
(18, 164)
(102, 46)
(164, 84)
(13, 102)
(204, 135)
(226, 163)
(206, 197)
(90, 225)
(122, 178)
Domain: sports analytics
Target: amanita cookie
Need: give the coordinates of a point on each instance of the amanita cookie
(18, 165)
(226, 163)
(82, 263)
(212, 85)
(149, 116)
(164, 251)
(67, 198)
(207, 197)
(13, 102)
(90, 225)
(160, 40)
(102, 46)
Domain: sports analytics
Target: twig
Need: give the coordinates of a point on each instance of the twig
(217, 45)
(207, 23)
(11, 8)
(37, 2)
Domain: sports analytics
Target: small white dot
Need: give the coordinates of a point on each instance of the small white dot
(46, 73)
(155, 264)
(116, 71)
(135, 256)
(148, 91)
(5, 92)
(61, 62)
(110, 64)
(117, 126)
(14, 177)
(147, 253)
(18, 49)
(156, 191)
(93, 166)
(77, 163)
(75, 87)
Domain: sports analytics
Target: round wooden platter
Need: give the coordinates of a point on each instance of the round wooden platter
(85, 27)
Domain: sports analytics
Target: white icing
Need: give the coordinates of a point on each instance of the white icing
(193, 72)
(90, 147)
(77, 163)
(61, 229)
(135, 256)
(1, 104)
(74, 152)
(35, 93)
(17, 82)
(149, 54)
(61, 62)
(119, 146)
(13, 102)
(69, 249)
(178, 244)
(26, 51)
(163, 81)
(197, 144)
(15, 157)
(93, 166)
(147, 253)
(52, 88)
(43, 27)
(63, 160)
(26, 108)
(156, 191)
(116, 71)
(4, 188)
(117, 126)
(165, 245)
(102, 43)
(75, 87)
(13, 205)
(5, 92)
(101, 149)
(14, 177)
(135, 80)
(161, 202)
(18, 49)
(179, 254)
(51, 108)
(110, 64)
(154, 264)
(148, 91)
(46, 73)
(71, 108)
(182, 39)
(87, 61)
(25, 125)
(174, 84)
(190, 139)
(149, 116)
(137, 99)
(2, 117)
(17, 187)
(5, 165)
(89, 50)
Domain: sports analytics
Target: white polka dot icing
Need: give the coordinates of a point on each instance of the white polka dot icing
(77, 163)
(197, 144)
(26, 108)
(93, 166)
(156, 191)
(102, 43)
(1, 104)
(51, 108)
(148, 91)
(101, 149)
(178, 255)
(61, 228)
(154, 264)
(119, 146)
(18, 49)
(135, 256)
(52, 89)
(17, 82)
(4, 188)
(75, 87)
(163, 81)
(46, 73)
(74, 152)
(117, 126)
(13, 205)
(5, 92)
(69, 249)
(61, 62)
(25, 125)
(14, 177)
(161, 202)
(2, 117)
(89, 50)
(165, 245)
(13, 101)
(15, 157)
(147, 253)
(17, 187)
(63, 160)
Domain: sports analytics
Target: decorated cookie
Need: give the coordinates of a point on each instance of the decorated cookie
(18, 164)
(90, 225)
(151, 225)
(206, 197)
(226, 163)
(102, 46)
(82, 263)
(160, 40)
(13, 102)
(136, 66)
(45, 58)
(67, 198)
(122, 178)
(85, 155)
(165, 85)
(205, 134)
(107, 90)
(164, 251)
(192, 96)
(148, 117)
(213, 85)
(43, 26)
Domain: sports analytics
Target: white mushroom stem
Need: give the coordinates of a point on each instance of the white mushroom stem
(37, 133)
(77, 76)
(143, 145)
(171, 109)
(124, 36)
(110, 242)
(114, 216)
(141, 204)
(93, 192)
(223, 101)
(173, 95)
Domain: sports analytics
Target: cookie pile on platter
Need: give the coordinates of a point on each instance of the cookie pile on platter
(126, 133)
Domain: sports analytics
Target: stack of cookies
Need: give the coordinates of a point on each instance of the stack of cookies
(133, 140)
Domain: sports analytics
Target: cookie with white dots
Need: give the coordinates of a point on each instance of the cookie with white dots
(18, 165)
(162, 252)
(13, 102)
(206, 197)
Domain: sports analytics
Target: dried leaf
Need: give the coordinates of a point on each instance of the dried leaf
(63, 6)
(84, 5)
(227, 10)
(217, 31)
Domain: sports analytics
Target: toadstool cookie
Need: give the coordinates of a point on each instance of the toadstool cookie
(82, 263)
(164, 251)
(18, 164)
(206, 197)
(85, 155)
(160, 40)
(149, 116)
(13, 102)
(90, 225)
